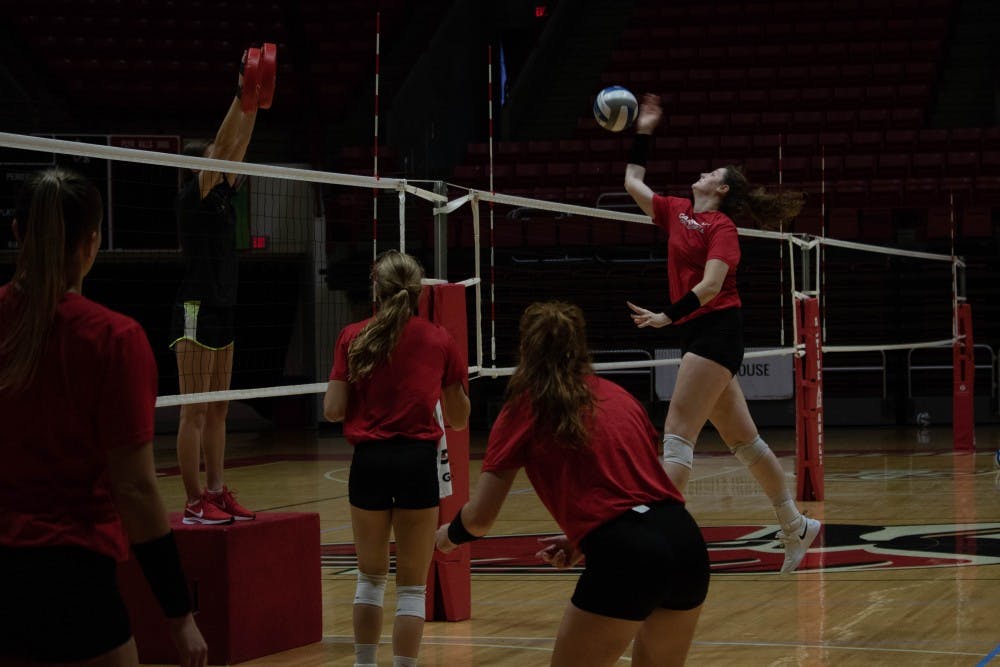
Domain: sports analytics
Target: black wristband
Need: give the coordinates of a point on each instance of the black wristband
(161, 565)
(683, 307)
(457, 532)
(640, 149)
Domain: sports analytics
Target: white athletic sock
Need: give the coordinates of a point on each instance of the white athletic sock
(364, 655)
(403, 661)
(788, 515)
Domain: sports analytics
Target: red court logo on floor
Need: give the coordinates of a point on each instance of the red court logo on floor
(755, 550)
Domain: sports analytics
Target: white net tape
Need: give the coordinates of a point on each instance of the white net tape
(808, 248)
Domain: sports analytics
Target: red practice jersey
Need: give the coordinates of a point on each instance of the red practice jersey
(399, 396)
(692, 240)
(95, 390)
(586, 487)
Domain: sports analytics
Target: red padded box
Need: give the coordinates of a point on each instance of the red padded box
(255, 585)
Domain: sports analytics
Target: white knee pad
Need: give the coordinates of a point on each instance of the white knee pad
(370, 589)
(750, 453)
(411, 601)
(678, 450)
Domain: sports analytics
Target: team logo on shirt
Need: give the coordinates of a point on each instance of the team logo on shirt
(691, 223)
(755, 550)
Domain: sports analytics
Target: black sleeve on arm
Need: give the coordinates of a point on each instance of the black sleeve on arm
(684, 306)
(161, 565)
(639, 154)
(457, 532)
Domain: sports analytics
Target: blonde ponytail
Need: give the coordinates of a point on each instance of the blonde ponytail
(397, 279)
(56, 211)
(552, 370)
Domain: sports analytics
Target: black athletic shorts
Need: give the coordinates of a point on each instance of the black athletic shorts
(399, 473)
(641, 561)
(59, 604)
(717, 336)
(213, 327)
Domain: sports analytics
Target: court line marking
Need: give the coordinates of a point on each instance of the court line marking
(989, 656)
(331, 475)
(474, 642)
(335, 528)
(835, 647)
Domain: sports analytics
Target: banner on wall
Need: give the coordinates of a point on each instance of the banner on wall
(761, 378)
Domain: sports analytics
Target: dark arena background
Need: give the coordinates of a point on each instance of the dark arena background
(885, 113)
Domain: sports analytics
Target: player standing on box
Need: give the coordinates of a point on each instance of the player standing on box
(703, 252)
(591, 454)
(389, 372)
(77, 394)
(203, 334)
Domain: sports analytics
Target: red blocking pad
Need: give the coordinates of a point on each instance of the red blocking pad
(255, 586)
(449, 581)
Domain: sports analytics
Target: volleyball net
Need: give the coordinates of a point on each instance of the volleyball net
(306, 240)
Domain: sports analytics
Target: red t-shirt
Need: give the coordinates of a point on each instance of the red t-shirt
(95, 390)
(586, 487)
(398, 398)
(692, 240)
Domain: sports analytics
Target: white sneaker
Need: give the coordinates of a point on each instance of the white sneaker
(797, 544)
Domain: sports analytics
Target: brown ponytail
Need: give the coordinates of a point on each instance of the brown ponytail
(552, 372)
(397, 278)
(56, 211)
(767, 210)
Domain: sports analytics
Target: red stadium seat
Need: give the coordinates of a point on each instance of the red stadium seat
(962, 163)
(701, 146)
(807, 121)
(977, 222)
(894, 165)
(761, 169)
(560, 173)
(795, 169)
(876, 225)
(828, 168)
(859, 166)
(841, 119)
(843, 223)
(774, 121)
(928, 164)
(907, 117)
(866, 141)
(887, 193)
(966, 138)
(744, 122)
(932, 139)
(900, 139)
(938, 222)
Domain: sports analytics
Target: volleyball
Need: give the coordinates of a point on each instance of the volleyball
(615, 108)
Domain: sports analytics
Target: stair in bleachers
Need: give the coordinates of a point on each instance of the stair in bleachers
(564, 81)
(966, 95)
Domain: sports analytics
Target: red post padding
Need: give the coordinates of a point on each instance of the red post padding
(809, 403)
(255, 585)
(449, 582)
(963, 420)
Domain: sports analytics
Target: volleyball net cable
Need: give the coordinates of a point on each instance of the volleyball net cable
(803, 279)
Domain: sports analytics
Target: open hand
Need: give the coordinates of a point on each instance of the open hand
(558, 552)
(647, 318)
(187, 639)
(650, 113)
(443, 544)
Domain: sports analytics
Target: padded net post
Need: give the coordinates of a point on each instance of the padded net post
(449, 581)
(963, 420)
(809, 402)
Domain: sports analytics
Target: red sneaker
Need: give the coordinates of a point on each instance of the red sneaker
(225, 501)
(205, 513)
